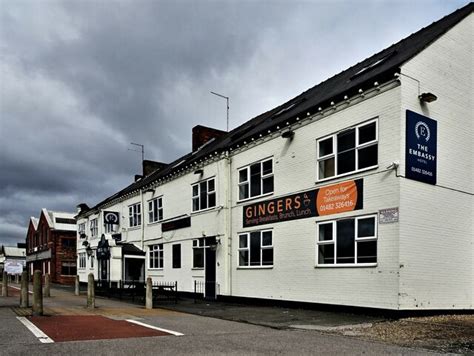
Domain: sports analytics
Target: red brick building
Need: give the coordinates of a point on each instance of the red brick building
(51, 246)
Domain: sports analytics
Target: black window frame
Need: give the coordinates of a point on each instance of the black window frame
(176, 255)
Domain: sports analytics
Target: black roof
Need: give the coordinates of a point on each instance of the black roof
(380, 67)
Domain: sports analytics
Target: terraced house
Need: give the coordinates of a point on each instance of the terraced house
(357, 192)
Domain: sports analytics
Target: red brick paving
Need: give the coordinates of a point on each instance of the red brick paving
(90, 327)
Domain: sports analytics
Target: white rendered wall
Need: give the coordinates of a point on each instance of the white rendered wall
(436, 222)
(294, 276)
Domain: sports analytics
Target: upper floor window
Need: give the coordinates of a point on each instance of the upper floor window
(81, 228)
(204, 195)
(155, 210)
(156, 256)
(348, 151)
(94, 227)
(134, 215)
(256, 179)
(256, 249)
(347, 241)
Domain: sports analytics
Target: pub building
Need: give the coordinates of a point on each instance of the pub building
(358, 192)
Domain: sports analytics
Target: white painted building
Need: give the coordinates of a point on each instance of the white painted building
(358, 192)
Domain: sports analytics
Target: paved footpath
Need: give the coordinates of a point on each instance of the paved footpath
(201, 335)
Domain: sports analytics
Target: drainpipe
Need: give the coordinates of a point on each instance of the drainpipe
(229, 219)
(142, 209)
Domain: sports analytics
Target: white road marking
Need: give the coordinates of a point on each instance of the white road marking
(30, 292)
(45, 339)
(155, 327)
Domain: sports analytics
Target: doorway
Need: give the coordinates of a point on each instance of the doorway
(210, 270)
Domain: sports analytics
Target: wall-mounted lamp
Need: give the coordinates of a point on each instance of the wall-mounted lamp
(89, 251)
(199, 171)
(427, 97)
(85, 243)
(213, 245)
(288, 134)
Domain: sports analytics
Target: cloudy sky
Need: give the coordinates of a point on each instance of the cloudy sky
(80, 80)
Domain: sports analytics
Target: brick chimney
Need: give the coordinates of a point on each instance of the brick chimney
(152, 166)
(203, 134)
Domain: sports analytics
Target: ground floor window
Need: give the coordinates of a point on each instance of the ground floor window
(82, 260)
(256, 249)
(156, 256)
(198, 253)
(68, 268)
(176, 256)
(347, 241)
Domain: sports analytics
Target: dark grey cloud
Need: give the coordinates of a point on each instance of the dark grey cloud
(80, 80)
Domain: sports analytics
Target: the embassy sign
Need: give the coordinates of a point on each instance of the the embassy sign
(421, 148)
(332, 199)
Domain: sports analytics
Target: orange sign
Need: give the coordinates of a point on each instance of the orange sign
(337, 198)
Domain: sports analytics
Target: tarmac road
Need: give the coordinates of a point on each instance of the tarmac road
(202, 335)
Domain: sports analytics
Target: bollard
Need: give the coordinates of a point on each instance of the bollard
(76, 286)
(37, 294)
(47, 285)
(5, 285)
(24, 290)
(90, 291)
(149, 294)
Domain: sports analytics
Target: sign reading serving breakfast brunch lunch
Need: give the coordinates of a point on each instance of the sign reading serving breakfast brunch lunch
(332, 199)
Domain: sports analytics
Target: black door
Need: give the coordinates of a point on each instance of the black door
(210, 270)
(104, 271)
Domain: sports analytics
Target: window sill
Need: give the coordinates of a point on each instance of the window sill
(197, 212)
(197, 269)
(348, 265)
(155, 269)
(254, 198)
(133, 228)
(324, 180)
(154, 222)
(255, 267)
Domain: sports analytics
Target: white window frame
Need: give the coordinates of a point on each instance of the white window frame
(81, 228)
(155, 207)
(134, 215)
(356, 240)
(94, 227)
(262, 177)
(200, 243)
(156, 253)
(262, 247)
(198, 195)
(82, 260)
(357, 148)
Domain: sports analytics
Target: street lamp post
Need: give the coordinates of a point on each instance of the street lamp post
(226, 98)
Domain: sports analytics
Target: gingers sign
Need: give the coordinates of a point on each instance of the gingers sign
(332, 199)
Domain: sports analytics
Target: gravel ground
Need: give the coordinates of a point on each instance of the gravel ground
(443, 333)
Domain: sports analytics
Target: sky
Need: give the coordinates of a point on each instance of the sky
(81, 80)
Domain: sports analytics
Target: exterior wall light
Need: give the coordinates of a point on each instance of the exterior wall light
(427, 97)
(199, 171)
(89, 251)
(288, 134)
